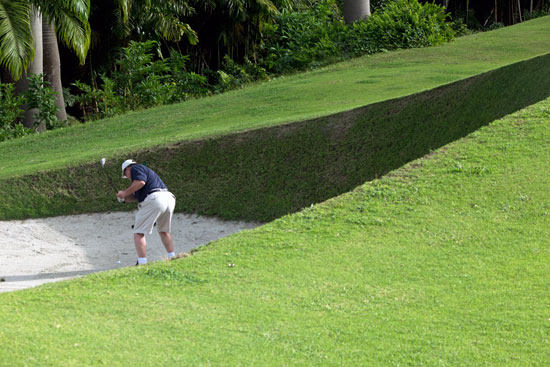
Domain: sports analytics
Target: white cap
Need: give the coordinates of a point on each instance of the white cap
(125, 164)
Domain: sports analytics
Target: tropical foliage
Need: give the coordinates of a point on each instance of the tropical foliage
(143, 80)
(16, 38)
(16, 50)
(145, 20)
(9, 105)
(70, 18)
(316, 35)
(41, 97)
(407, 23)
(299, 38)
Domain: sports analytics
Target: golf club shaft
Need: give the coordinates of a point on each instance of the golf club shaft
(110, 180)
(112, 183)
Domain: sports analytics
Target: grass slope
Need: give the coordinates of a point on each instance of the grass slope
(265, 173)
(441, 262)
(337, 88)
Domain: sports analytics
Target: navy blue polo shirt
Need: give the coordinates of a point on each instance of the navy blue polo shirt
(152, 180)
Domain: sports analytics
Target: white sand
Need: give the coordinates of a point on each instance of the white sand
(36, 251)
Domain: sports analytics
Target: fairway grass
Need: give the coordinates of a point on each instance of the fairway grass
(442, 262)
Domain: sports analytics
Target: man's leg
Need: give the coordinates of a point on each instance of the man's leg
(145, 220)
(164, 222)
(141, 245)
(167, 241)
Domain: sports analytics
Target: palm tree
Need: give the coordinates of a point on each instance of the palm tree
(21, 46)
(52, 67)
(16, 48)
(35, 67)
(143, 20)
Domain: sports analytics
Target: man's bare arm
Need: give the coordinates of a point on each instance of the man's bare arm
(128, 194)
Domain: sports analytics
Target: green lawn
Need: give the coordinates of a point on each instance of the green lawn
(322, 92)
(443, 262)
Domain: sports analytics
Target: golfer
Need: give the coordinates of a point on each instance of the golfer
(155, 204)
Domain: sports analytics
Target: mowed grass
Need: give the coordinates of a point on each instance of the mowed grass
(322, 92)
(443, 262)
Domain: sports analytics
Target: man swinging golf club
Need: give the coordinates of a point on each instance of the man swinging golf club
(155, 204)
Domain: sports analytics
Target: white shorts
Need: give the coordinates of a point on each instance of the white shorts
(157, 207)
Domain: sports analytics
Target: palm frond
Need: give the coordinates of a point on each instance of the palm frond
(203, 4)
(124, 6)
(173, 29)
(75, 33)
(181, 8)
(164, 19)
(122, 25)
(16, 43)
(70, 18)
(268, 6)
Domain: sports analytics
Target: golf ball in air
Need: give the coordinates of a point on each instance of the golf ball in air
(118, 262)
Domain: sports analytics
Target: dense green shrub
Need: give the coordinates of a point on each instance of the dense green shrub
(407, 24)
(318, 34)
(300, 38)
(460, 28)
(358, 39)
(98, 102)
(186, 84)
(233, 75)
(140, 81)
(38, 96)
(143, 80)
(11, 112)
(41, 96)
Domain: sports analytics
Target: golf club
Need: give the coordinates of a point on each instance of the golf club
(102, 162)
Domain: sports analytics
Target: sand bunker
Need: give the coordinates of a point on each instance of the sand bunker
(37, 251)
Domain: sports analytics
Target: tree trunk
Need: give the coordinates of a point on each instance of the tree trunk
(22, 85)
(467, 10)
(52, 67)
(356, 10)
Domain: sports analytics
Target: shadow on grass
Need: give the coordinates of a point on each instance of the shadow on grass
(266, 173)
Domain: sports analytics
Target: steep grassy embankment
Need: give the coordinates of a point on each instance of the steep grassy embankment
(265, 173)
